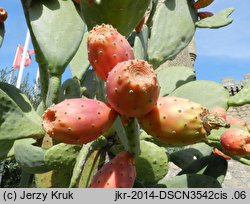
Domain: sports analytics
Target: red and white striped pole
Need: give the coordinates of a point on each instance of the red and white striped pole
(25, 52)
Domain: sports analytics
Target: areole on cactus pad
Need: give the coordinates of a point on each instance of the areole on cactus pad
(78, 121)
(132, 88)
(107, 47)
(178, 121)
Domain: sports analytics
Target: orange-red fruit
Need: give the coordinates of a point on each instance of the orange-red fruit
(120, 172)
(235, 121)
(236, 142)
(78, 121)
(175, 121)
(219, 111)
(205, 14)
(220, 153)
(140, 25)
(3, 15)
(132, 88)
(106, 48)
(202, 3)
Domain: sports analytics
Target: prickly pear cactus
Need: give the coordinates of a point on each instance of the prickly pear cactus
(106, 126)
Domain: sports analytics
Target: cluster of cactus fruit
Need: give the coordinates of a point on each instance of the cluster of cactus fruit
(112, 124)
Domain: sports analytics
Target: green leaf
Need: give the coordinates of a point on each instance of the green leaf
(218, 20)
(208, 93)
(241, 98)
(56, 29)
(170, 78)
(18, 119)
(80, 63)
(173, 29)
(124, 15)
(30, 158)
(214, 166)
(185, 157)
(190, 181)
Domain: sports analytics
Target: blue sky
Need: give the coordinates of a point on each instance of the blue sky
(221, 52)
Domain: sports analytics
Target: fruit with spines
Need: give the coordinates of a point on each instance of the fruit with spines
(219, 111)
(205, 14)
(235, 121)
(178, 121)
(202, 3)
(236, 142)
(106, 48)
(78, 121)
(119, 172)
(132, 88)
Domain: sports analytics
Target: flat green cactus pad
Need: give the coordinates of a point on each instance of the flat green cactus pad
(141, 44)
(189, 181)
(208, 93)
(80, 63)
(124, 15)
(173, 29)
(170, 78)
(214, 166)
(31, 158)
(56, 28)
(18, 119)
(62, 155)
(2, 32)
(71, 88)
(241, 98)
(218, 20)
(151, 164)
(189, 154)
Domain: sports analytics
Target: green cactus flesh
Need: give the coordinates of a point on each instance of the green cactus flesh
(166, 40)
(80, 63)
(189, 154)
(214, 166)
(208, 93)
(217, 20)
(189, 181)
(31, 158)
(18, 119)
(48, 21)
(61, 155)
(124, 15)
(170, 78)
(151, 164)
(241, 98)
(70, 89)
(141, 44)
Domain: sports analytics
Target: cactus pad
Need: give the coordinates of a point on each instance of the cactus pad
(208, 93)
(170, 78)
(241, 98)
(2, 32)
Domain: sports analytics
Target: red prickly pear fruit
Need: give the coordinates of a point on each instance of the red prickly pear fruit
(219, 111)
(3, 15)
(132, 88)
(205, 14)
(140, 25)
(202, 3)
(236, 142)
(120, 172)
(220, 153)
(176, 121)
(235, 121)
(78, 121)
(106, 48)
